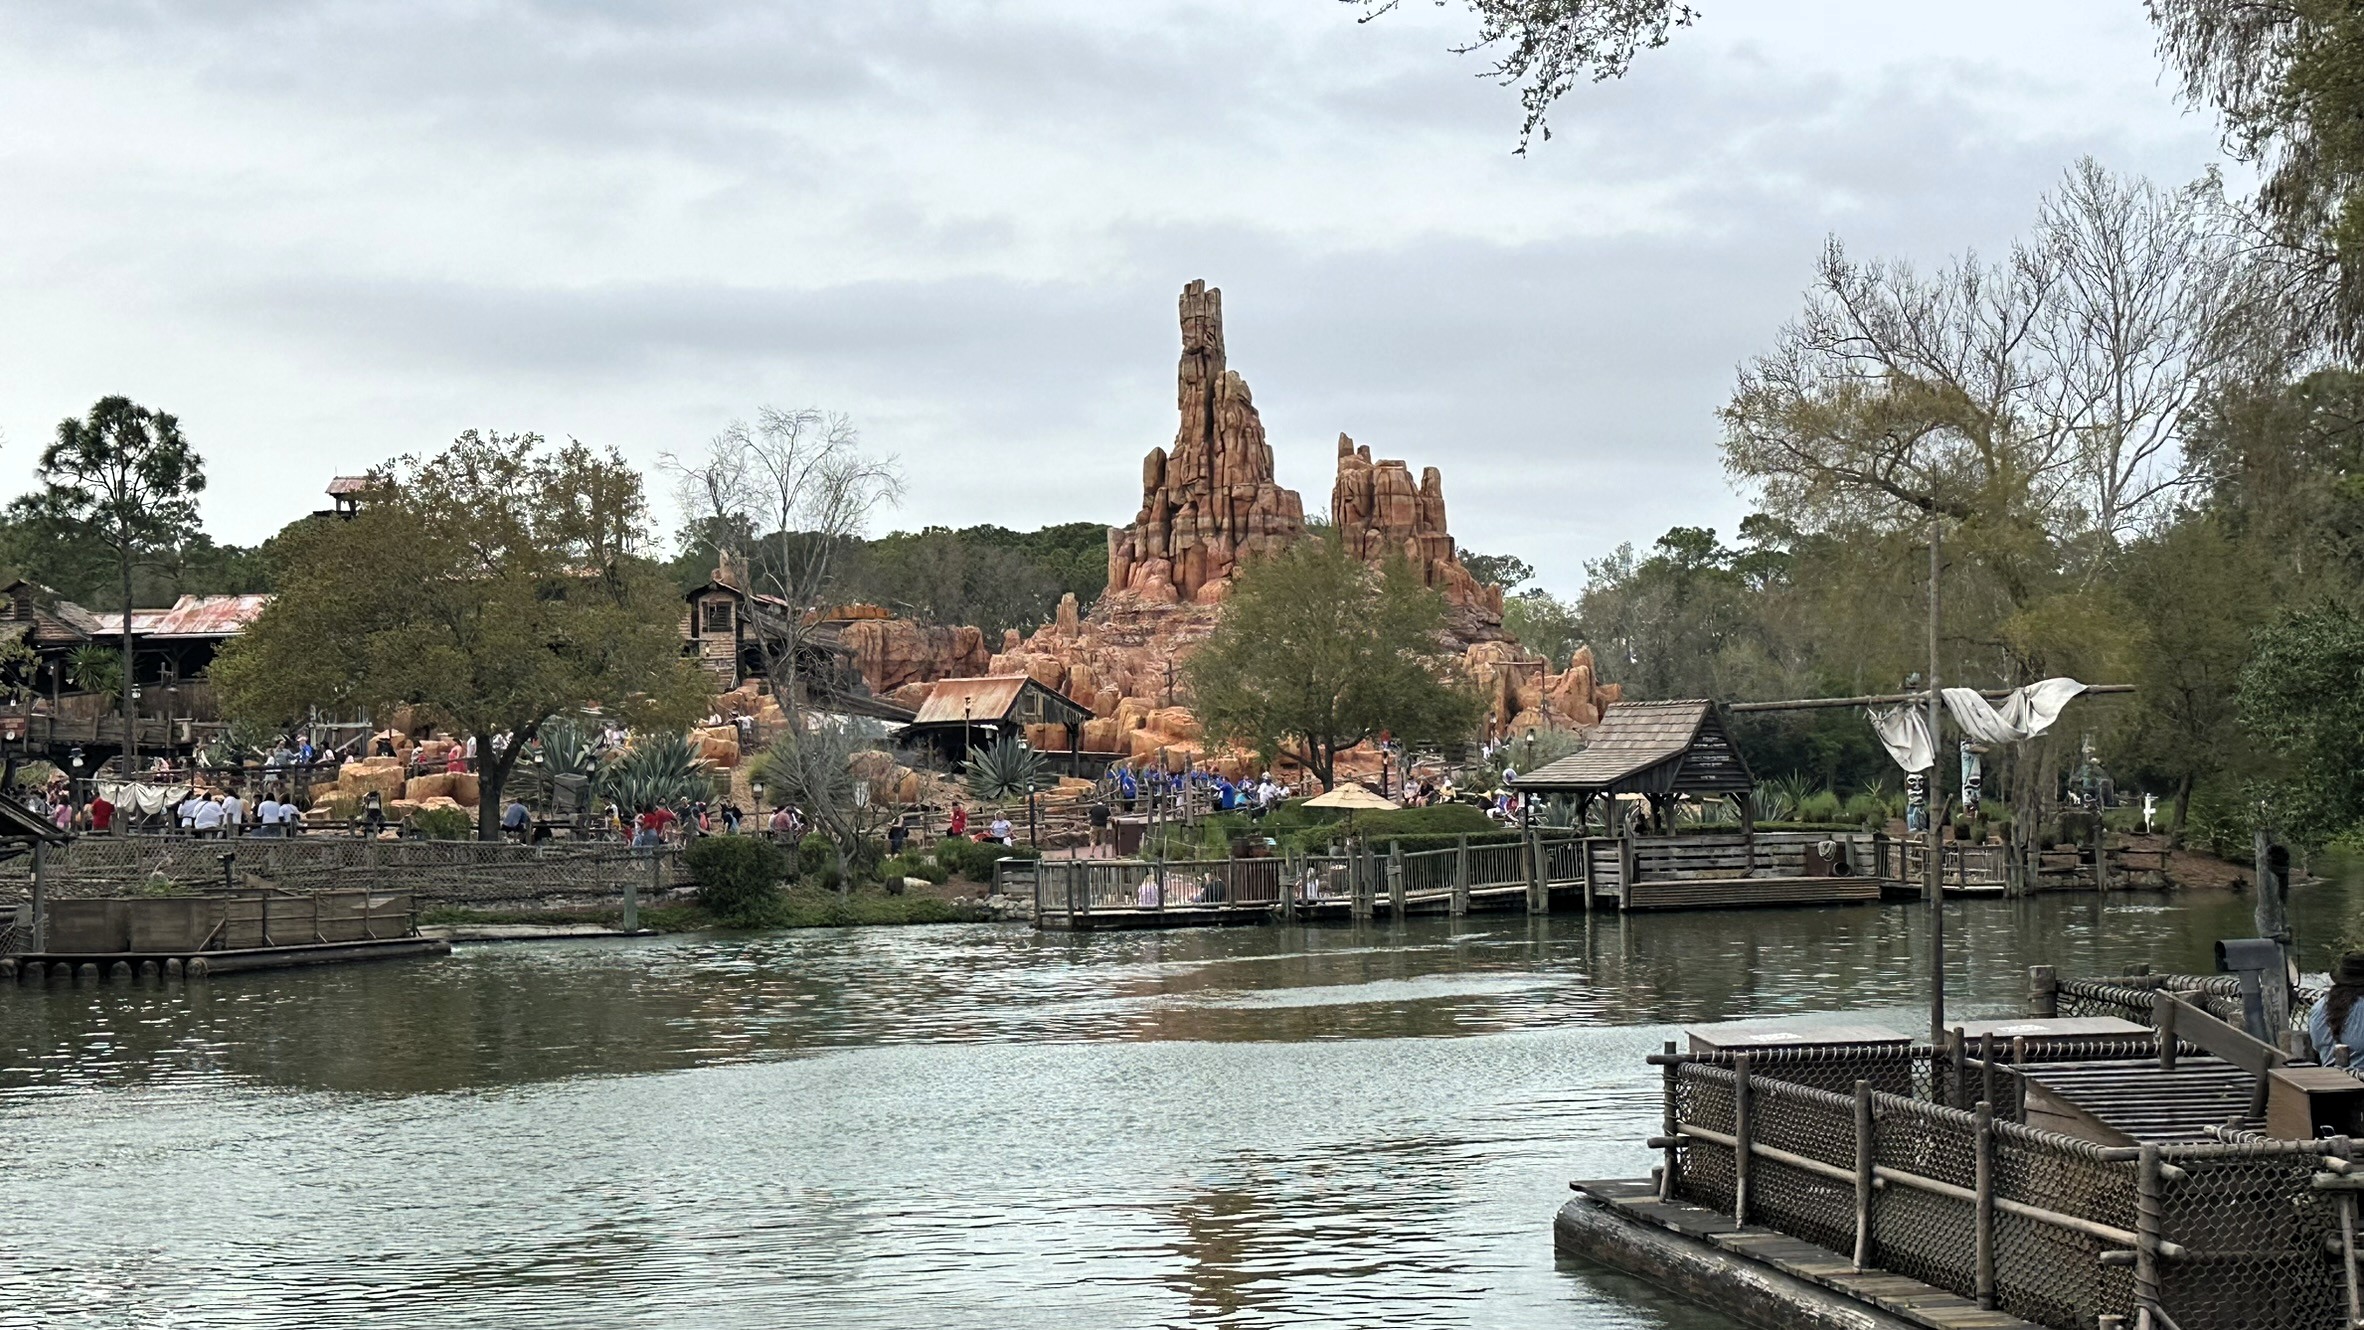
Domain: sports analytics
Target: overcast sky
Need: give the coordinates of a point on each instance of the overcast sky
(325, 234)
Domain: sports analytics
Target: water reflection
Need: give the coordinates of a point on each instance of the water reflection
(932, 1127)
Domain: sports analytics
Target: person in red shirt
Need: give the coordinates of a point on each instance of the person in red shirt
(960, 822)
(102, 814)
(656, 822)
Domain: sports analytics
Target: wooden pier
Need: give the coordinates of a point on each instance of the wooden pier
(1540, 872)
(145, 937)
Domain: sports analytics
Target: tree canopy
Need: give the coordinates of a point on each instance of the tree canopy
(491, 587)
(1316, 650)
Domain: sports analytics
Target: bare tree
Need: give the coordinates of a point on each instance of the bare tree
(2155, 307)
(780, 500)
(2053, 389)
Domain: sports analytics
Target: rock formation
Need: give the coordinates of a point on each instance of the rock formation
(1211, 502)
(895, 654)
(1379, 512)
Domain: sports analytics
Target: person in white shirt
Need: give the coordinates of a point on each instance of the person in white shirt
(266, 816)
(187, 810)
(233, 814)
(207, 820)
(1001, 831)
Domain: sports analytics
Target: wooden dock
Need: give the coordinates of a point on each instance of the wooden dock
(1763, 1277)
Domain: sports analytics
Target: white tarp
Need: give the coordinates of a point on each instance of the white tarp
(2023, 713)
(1904, 731)
(143, 800)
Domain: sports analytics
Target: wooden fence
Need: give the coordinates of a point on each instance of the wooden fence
(440, 872)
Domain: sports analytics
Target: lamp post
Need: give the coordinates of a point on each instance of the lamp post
(967, 735)
(1031, 839)
(755, 789)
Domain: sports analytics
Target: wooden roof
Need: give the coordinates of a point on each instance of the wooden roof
(1678, 747)
(989, 698)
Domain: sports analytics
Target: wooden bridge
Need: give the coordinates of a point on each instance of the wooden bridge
(1542, 873)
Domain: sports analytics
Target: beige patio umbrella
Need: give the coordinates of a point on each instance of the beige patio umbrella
(1351, 796)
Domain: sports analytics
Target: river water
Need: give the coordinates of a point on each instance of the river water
(933, 1127)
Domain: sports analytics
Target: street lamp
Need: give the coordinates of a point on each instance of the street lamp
(1032, 840)
(756, 788)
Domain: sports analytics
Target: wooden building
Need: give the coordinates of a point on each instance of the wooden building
(1662, 751)
(962, 715)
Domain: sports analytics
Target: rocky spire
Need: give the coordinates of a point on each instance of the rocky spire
(1211, 501)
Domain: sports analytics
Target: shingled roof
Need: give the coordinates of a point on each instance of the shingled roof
(1676, 747)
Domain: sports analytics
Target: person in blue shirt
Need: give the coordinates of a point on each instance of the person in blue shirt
(2339, 1017)
(1126, 788)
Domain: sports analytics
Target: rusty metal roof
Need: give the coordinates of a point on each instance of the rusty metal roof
(991, 697)
(202, 616)
(1654, 747)
(344, 485)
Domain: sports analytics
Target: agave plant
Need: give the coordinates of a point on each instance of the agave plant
(1777, 800)
(656, 769)
(94, 668)
(569, 748)
(1007, 770)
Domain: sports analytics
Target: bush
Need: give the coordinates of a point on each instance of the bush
(737, 876)
(814, 853)
(974, 860)
(1821, 806)
(894, 870)
(1866, 808)
(443, 823)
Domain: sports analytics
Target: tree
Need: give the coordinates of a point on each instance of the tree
(811, 768)
(1315, 648)
(1507, 571)
(785, 498)
(494, 586)
(1544, 47)
(2287, 79)
(124, 476)
(2299, 698)
(2193, 592)
(1543, 623)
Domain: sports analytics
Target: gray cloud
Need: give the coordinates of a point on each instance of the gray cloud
(326, 233)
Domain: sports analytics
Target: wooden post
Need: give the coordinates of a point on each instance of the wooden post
(1673, 1126)
(40, 898)
(2149, 1223)
(1584, 868)
(1625, 871)
(632, 890)
(1395, 880)
(2043, 992)
(1743, 1138)
(2163, 1016)
(1960, 1089)
(2273, 922)
(1865, 1157)
(2101, 855)
(1461, 876)
(1986, 1067)
(2347, 1247)
(1983, 1173)
(1538, 894)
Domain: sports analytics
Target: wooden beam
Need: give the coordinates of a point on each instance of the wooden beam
(1893, 699)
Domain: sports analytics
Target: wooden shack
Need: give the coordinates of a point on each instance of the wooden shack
(1661, 751)
(963, 715)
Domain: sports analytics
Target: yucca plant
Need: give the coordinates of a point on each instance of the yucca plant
(93, 668)
(1007, 770)
(656, 769)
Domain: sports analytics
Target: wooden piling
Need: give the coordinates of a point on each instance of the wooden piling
(1743, 1138)
(2149, 1222)
(1672, 1126)
(1395, 880)
(1461, 876)
(1986, 1066)
(2043, 992)
(1983, 1173)
(1960, 1089)
(1865, 1160)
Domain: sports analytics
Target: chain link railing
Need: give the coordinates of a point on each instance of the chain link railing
(2049, 1228)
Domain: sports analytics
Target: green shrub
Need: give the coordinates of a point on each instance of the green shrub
(1821, 806)
(1866, 808)
(912, 865)
(443, 823)
(974, 860)
(737, 876)
(814, 853)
